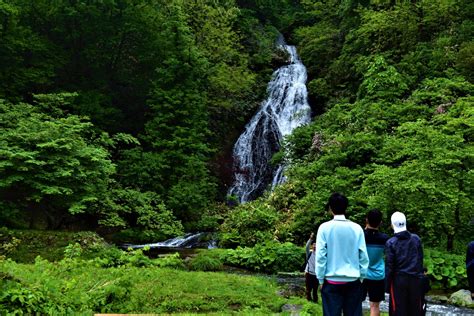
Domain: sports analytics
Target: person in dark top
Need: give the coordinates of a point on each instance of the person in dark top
(311, 281)
(470, 267)
(374, 284)
(404, 270)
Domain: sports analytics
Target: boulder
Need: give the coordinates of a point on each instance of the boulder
(292, 290)
(461, 298)
(293, 309)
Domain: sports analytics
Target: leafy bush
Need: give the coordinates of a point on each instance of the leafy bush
(446, 271)
(114, 257)
(170, 261)
(8, 243)
(207, 260)
(248, 224)
(269, 257)
(18, 300)
(73, 251)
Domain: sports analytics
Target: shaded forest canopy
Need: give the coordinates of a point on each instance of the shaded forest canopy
(120, 115)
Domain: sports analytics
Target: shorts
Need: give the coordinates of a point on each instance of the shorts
(375, 289)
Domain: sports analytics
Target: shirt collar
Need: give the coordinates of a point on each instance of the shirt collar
(339, 217)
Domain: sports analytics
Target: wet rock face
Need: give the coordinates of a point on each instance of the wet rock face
(461, 298)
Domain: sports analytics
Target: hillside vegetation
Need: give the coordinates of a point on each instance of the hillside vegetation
(120, 116)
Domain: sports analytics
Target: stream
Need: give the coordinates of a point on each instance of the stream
(433, 309)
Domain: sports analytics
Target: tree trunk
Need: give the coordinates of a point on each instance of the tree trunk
(450, 243)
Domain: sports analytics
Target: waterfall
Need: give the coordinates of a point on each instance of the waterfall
(187, 241)
(285, 108)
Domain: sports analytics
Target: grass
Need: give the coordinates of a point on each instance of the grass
(80, 287)
(47, 244)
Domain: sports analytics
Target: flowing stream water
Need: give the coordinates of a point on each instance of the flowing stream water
(285, 108)
(190, 240)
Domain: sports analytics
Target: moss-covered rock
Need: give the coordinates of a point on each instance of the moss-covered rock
(461, 298)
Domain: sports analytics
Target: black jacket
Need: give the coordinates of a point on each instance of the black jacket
(403, 255)
(470, 255)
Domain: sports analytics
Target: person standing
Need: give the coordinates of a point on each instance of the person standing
(374, 284)
(341, 261)
(404, 270)
(311, 281)
(470, 267)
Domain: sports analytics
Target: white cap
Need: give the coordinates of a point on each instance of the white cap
(399, 222)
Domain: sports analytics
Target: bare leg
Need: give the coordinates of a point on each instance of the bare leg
(374, 308)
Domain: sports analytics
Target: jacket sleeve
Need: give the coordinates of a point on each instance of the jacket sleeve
(308, 244)
(470, 253)
(321, 255)
(363, 256)
(389, 265)
(420, 255)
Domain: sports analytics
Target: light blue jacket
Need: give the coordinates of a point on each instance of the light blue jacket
(341, 253)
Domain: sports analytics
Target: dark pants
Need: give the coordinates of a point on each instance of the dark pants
(344, 298)
(406, 296)
(470, 278)
(312, 284)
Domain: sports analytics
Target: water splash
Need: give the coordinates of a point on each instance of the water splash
(187, 241)
(285, 108)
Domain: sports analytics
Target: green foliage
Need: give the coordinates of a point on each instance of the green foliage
(80, 287)
(180, 75)
(72, 251)
(446, 271)
(396, 132)
(381, 81)
(176, 134)
(27, 60)
(8, 243)
(280, 13)
(207, 260)
(151, 219)
(248, 224)
(50, 166)
(52, 245)
(268, 257)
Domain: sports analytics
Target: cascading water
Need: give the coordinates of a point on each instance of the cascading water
(190, 240)
(285, 108)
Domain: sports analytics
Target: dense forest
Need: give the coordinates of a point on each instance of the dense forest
(120, 115)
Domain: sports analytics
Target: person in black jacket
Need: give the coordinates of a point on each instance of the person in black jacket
(470, 267)
(404, 270)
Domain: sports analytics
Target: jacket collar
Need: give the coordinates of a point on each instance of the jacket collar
(339, 218)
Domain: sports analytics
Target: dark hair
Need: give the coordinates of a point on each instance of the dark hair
(374, 217)
(338, 203)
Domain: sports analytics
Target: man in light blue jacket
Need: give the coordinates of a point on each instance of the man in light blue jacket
(341, 261)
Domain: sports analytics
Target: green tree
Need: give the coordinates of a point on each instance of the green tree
(27, 60)
(175, 137)
(141, 212)
(51, 166)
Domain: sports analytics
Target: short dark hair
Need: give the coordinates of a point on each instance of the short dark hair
(374, 217)
(338, 203)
